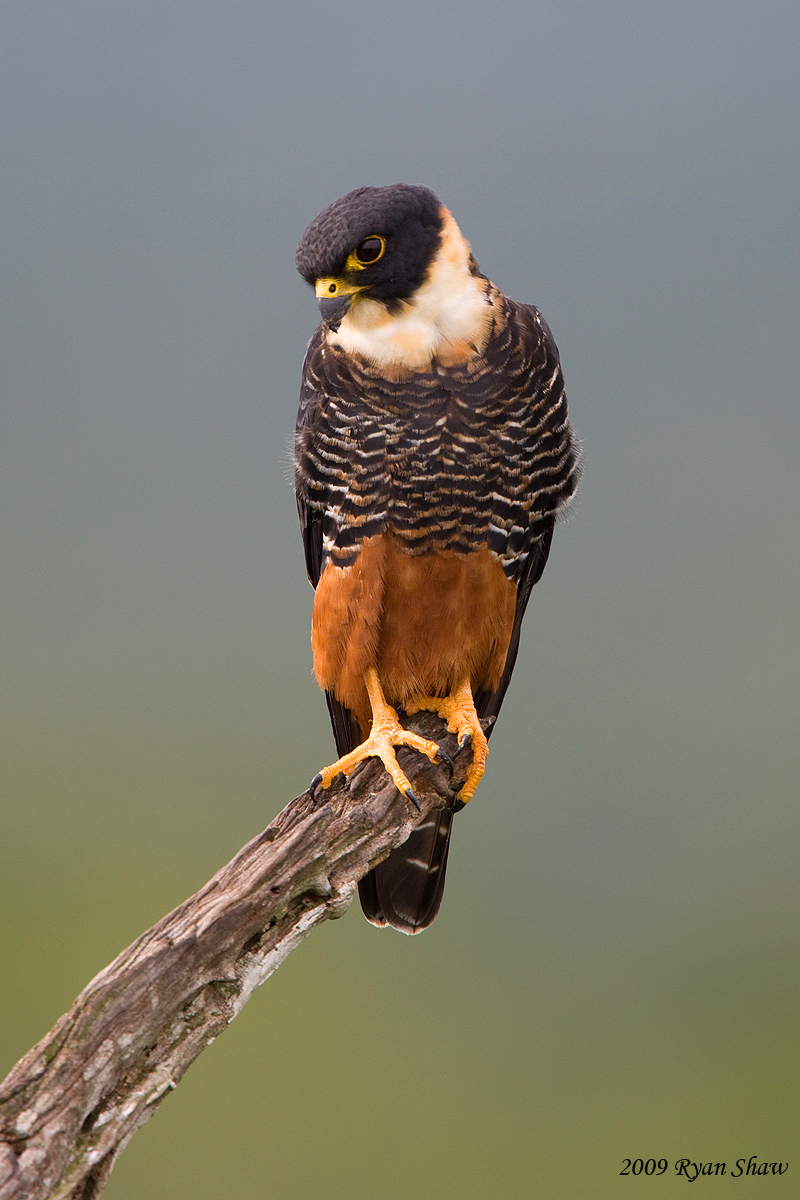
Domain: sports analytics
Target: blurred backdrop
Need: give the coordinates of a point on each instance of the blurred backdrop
(614, 971)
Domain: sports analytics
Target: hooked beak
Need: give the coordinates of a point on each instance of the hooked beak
(334, 298)
(333, 309)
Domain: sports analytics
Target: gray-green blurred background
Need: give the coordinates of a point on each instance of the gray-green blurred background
(614, 971)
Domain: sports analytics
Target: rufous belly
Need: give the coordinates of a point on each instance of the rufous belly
(425, 622)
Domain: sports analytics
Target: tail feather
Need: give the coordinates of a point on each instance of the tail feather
(405, 890)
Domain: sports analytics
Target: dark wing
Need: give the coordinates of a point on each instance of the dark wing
(488, 704)
(311, 392)
(552, 464)
(345, 729)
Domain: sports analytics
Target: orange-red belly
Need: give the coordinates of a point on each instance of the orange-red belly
(425, 622)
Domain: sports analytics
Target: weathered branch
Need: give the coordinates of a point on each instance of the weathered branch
(74, 1101)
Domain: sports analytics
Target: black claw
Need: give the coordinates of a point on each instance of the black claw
(454, 801)
(315, 782)
(464, 740)
(445, 760)
(409, 795)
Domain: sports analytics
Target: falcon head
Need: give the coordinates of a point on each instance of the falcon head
(375, 242)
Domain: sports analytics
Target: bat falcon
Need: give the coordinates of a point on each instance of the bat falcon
(433, 455)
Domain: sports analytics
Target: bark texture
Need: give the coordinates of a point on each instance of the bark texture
(74, 1101)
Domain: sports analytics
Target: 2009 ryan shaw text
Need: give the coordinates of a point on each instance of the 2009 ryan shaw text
(693, 1170)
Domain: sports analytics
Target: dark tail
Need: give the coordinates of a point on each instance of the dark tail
(405, 890)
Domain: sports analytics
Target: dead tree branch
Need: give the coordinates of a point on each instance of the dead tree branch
(74, 1101)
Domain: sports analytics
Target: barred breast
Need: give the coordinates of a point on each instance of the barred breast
(455, 458)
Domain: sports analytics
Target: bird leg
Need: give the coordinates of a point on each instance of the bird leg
(385, 734)
(458, 710)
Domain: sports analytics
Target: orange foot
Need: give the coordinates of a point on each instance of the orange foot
(386, 733)
(458, 710)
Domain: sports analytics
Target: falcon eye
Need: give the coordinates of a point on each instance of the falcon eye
(332, 289)
(370, 250)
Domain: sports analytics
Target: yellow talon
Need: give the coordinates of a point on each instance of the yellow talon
(458, 710)
(386, 733)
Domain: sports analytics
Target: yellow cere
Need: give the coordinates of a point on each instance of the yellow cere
(335, 286)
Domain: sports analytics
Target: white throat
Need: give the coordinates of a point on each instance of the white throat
(448, 316)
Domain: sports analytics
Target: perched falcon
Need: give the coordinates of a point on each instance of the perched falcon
(433, 455)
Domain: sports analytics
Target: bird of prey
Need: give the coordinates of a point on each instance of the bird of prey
(433, 455)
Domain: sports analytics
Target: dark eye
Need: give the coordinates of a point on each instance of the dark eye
(370, 250)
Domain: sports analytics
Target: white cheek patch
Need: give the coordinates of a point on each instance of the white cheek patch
(450, 309)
